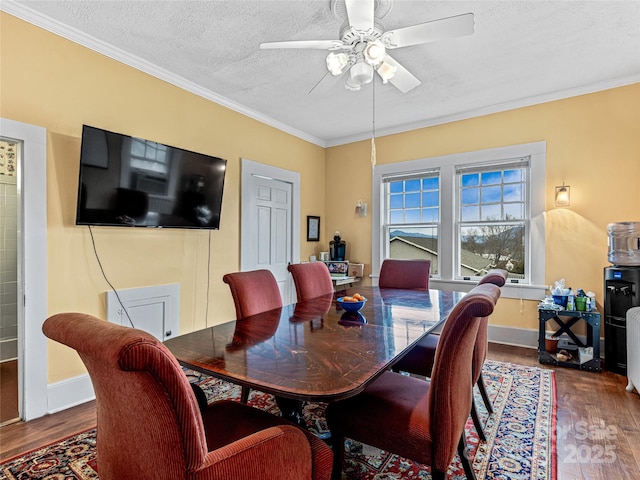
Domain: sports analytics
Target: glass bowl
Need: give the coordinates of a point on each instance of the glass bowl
(351, 306)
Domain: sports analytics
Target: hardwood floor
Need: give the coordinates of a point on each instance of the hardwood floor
(598, 429)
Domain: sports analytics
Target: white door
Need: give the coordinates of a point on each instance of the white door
(273, 234)
(269, 201)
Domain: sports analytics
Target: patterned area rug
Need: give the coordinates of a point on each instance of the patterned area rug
(521, 436)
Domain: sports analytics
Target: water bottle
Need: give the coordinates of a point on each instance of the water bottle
(571, 305)
(624, 243)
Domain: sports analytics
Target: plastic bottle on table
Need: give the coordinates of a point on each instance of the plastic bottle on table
(571, 304)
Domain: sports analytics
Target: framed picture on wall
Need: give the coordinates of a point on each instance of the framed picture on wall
(313, 229)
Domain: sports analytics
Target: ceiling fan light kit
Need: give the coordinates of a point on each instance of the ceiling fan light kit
(336, 63)
(386, 70)
(364, 44)
(360, 74)
(374, 53)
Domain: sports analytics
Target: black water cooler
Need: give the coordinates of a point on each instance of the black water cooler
(622, 291)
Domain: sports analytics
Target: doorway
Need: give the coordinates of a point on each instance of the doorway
(9, 161)
(31, 204)
(270, 211)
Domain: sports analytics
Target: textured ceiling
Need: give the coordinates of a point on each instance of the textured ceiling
(522, 52)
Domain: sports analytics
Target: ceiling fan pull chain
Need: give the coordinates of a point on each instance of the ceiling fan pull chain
(373, 152)
(373, 126)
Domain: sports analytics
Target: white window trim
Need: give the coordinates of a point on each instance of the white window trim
(537, 151)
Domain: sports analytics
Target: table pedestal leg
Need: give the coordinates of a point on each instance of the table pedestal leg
(291, 410)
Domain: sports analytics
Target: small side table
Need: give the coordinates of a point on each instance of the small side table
(565, 319)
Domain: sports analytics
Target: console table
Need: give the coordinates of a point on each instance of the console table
(564, 320)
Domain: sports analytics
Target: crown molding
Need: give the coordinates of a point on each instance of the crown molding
(35, 18)
(488, 110)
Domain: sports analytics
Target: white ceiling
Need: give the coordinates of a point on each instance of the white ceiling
(522, 52)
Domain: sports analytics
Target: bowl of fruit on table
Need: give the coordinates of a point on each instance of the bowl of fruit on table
(352, 303)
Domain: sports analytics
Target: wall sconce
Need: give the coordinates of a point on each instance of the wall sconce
(361, 208)
(563, 196)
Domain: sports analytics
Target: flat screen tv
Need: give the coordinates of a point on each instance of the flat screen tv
(132, 182)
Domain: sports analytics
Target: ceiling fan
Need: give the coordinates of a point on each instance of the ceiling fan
(363, 45)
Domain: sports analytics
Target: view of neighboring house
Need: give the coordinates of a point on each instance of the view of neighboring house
(408, 246)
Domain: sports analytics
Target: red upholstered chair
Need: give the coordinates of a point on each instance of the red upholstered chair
(253, 292)
(419, 360)
(408, 274)
(420, 420)
(149, 424)
(497, 276)
(311, 279)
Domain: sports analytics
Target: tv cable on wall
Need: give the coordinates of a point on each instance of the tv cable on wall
(95, 251)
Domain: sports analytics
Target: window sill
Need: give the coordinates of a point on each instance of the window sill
(510, 290)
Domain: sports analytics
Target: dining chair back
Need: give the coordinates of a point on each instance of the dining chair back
(497, 276)
(149, 425)
(406, 274)
(253, 292)
(420, 420)
(451, 393)
(420, 360)
(311, 279)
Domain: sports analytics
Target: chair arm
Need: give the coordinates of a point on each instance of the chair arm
(276, 453)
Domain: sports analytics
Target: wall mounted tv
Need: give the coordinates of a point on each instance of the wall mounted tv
(132, 182)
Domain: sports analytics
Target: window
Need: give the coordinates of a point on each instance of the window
(412, 216)
(493, 213)
(467, 213)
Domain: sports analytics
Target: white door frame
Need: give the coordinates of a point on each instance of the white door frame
(32, 266)
(247, 230)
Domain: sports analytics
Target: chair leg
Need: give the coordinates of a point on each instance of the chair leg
(200, 397)
(485, 396)
(338, 456)
(244, 394)
(476, 422)
(437, 474)
(464, 458)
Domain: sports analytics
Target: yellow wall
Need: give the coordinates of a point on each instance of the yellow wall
(593, 144)
(51, 82)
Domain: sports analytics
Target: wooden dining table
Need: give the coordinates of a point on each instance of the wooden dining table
(314, 350)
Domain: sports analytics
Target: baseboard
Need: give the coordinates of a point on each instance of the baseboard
(524, 337)
(69, 393)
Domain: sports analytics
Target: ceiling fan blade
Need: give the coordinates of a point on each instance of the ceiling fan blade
(403, 79)
(360, 14)
(450, 27)
(310, 44)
